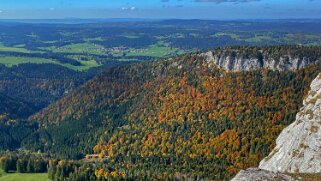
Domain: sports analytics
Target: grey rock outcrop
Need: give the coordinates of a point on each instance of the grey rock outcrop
(233, 62)
(256, 174)
(298, 148)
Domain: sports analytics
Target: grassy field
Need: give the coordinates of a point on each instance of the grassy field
(13, 49)
(257, 39)
(23, 176)
(85, 65)
(89, 48)
(93, 39)
(156, 51)
(11, 61)
(232, 35)
(131, 36)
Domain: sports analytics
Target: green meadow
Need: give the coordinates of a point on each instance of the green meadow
(157, 50)
(11, 61)
(23, 176)
(88, 48)
(20, 49)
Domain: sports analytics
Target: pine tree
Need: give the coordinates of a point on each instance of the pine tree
(20, 166)
(30, 168)
(5, 165)
(58, 174)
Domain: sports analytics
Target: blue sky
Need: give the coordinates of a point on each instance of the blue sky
(160, 9)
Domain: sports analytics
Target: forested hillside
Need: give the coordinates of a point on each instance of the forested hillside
(38, 85)
(13, 107)
(26, 89)
(177, 116)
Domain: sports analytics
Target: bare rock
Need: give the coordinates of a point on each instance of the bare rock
(256, 174)
(236, 63)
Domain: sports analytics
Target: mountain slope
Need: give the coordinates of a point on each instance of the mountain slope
(25, 89)
(13, 108)
(298, 147)
(38, 85)
(177, 115)
(140, 73)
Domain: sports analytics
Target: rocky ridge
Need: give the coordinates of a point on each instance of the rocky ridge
(236, 61)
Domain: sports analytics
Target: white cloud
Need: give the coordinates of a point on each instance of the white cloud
(133, 8)
(51, 9)
(227, 1)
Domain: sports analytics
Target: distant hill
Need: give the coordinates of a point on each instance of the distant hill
(181, 115)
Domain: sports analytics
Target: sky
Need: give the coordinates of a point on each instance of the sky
(161, 9)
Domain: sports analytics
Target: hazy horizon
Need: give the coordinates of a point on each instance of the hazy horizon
(162, 9)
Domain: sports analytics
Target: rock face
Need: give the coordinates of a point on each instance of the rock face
(298, 148)
(256, 174)
(236, 63)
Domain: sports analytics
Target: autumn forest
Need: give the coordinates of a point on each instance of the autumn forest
(175, 116)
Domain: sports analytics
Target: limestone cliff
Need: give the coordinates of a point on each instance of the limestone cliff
(298, 148)
(236, 60)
